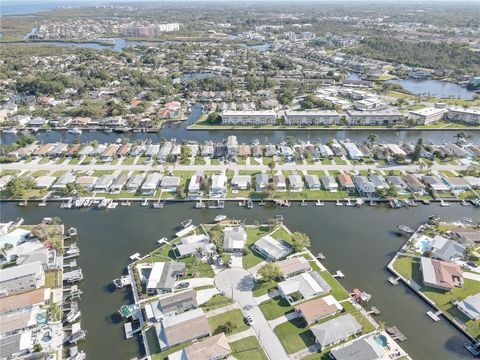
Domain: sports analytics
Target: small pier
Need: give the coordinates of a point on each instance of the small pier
(435, 316)
(72, 264)
(71, 251)
(374, 311)
(395, 334)
(135, 256)
(72, 293)
(320, 256)
(394, 280)
(77, 334)
(338, 275)
(185, 231)
(131, 328)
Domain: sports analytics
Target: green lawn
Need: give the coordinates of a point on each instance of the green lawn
(253, 234)
(251, 259)
(128, 160)
(337, 291)
(40, 173)
(10, 172)
(200, 161)
(59, 173)
(282, 234)
(262, 287)
(141, 160)
(51, 279)
(60, 160)
(248, 349)
(294, 335)
(275, 308)
(215, 162)
(44, 160)
(234, 316)
(102, 172)
(216, 301)
(74, 161)
(339, 160)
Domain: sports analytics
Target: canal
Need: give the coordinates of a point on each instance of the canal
(360, 242)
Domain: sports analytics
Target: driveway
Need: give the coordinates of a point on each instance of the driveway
(238, 284)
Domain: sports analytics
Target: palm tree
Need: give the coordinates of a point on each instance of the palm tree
(372, 138)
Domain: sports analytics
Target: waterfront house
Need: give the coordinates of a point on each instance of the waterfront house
(335, 330)
(367, 152)
(103, 183)
(189, 245)
(446, 249)
(44, 182)
(257, 151)
(261, 182)
(270, 150)
(346, 182)
(43, 150)
(378, 181)
(24, 301)
(164, 151)
(63, 180)
(287, 153)
(177, 302)
(472, 181)
(108, 154)
(58, 150)
(134, 182)
(364, 186)
(398, 182)
(181, 328)
(85, 151)
(325, 151)
(467, 116)
(151, 184)
(365, 349)
(244, 150)
(219, 185)
(152, 150)
(414, 184)
(88, 182)
(466, 235)
(380, 118)
(312, 181)
(279, 182)
(119, 183)
(234, 238)
(353, 151)
(212, 348)
(396, 151)
(317, 309)
(241, 182)
(17, 345)
(207, 150)
(337, 149)
(194, 186)
(441, 275)
(4, 181)
(470, 306)
(163, 276)
(293, 266)
(232, 147)
(303, 287)
(21, 278)
(170, 183)
(458, 151)
(435, 183)
(456, 183)
(329, 183)
(272, 249)
(124, 150)
(296, 182)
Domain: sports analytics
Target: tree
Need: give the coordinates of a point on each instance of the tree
(462, 137)
(300, 241)
(270, 271)
(19, 186)
(271, 165)
(216, 234)
(214, 118)
(372, 138)
(226, 328)
(180, 192)
(418, 150)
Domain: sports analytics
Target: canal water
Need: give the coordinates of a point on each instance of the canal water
(360, 242)
(435, 88)
(179, 131)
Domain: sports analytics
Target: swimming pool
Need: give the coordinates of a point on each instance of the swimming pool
(381, 340)
(423, 245)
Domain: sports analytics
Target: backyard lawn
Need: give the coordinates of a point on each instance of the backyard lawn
(216, 301)
(248, 349)
(275, 307)
(234, 316)
(294, 335)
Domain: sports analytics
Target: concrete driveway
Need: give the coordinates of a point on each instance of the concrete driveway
(238, 284)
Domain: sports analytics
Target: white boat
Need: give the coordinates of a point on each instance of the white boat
(200, 205)
(73, 315)
(10, 131)
(75, 131)
(349, 203)
(122, 281)
(303, 203)
(125, 203)
(158, 205)
(443, 203)
(219, 218)
(338, 203)
(72, 231)
(186, 223)
(112, 205)
(144, 202)
(319, 203)
(467, 220)
(358, 202)
(43, 203)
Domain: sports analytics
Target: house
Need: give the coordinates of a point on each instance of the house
(87, 182)
(261, 182)
(134, 182)
(470, 306)
(296, 182)
(346, 182)
(398, 182)
(446, 249)
(441, 275)
(272, 249)
(234, 238)
(472, 181)
(219, 185)
(270, 150)
(313, 183)
(24, 301)
(467, 116)
(456, 183)
(151, 184)
(213, 348)
(435, 183)
(316, 309)
(104, 182)
(303, 286)
(4, 181)
(279, 182)
(293, 266)
(335, 330)
(190, 245)
(119, 183)
(16, 345)
(63, 180)
(329, 183)
(414, 184)
(194, 186)
(44, 182)
(365, 349)
(241, 182)
(21, 278)
(257, 151)
(109, 152)
(378, 181)
(244, 151)
(181, 328)
(152, 150)
(353, 151)
(232, 146)
(364, 186)
(467, 236)
(163, 276)
(178, 302)
(170, 183)
(325, 151)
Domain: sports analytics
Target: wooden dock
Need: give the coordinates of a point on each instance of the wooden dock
(435, 316)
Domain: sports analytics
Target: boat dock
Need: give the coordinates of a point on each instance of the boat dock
(395, 334)
(72, 293)
(135, 256)
(131, 328)
(393, 280)
(339, 275)
(185, 231)
(435, 316)
(73, 276)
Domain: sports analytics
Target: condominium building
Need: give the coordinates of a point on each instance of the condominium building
(427, 116)
(266, 117)
(325, 117)
(387, 117)
(467, 116)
